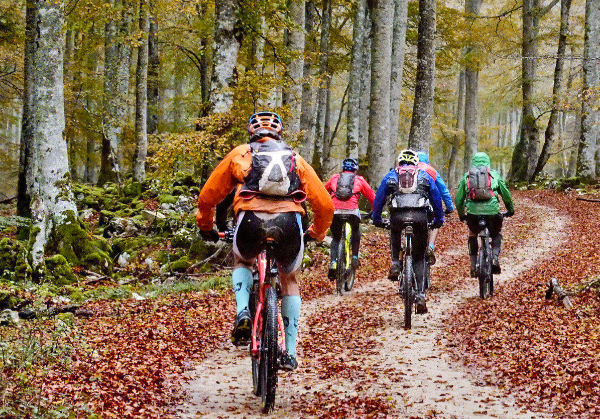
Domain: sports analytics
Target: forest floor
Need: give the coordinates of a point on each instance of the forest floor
(515, 355)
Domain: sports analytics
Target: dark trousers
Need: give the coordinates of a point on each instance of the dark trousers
(336, 233)
(418, 219)
(494, 224)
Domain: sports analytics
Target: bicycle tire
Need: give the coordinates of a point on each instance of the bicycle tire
(407, 291)
(255, 359)
(341, 266)
(485, 269)
(269, 351)
(350, 272)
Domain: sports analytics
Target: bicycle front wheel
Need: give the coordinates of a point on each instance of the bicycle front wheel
(407, 290)
(350, 272)
(255, 359)
(269, 351)
(341, 265)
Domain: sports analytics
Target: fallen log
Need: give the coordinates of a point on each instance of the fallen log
(587, 199)
(555, 288)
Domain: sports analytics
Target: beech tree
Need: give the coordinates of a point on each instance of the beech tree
(590, 115)
(422, 115)
(471, 119)
(141, 100)
(397, 71)
(378, 150)
(296, 66)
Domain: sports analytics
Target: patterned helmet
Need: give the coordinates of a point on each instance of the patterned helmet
(408, 157)
(350, 165)
(265, 123)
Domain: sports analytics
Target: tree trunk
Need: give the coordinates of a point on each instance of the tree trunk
(52, 201)
(141, 97)
(354, 85)
(398, 48)
(453, 172)
(117, 57)
(225, 56)
(590, 115)
(296, 66)
(378, 150)
(422, 115)
(365, 92)
(320, 134)
(557, 90)
(153, 68)
(525, 153)
(472, 8)
(26, 144)
(307, 120)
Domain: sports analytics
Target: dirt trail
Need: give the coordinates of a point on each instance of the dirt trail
(408, 371)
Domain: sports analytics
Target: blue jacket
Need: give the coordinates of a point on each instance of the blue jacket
(384, 191)
(439, 182)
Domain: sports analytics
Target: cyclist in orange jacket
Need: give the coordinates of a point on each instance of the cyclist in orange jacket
(271, 181)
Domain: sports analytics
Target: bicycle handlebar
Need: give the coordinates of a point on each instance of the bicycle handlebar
(226, 236)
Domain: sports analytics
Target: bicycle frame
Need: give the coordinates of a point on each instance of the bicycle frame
(266, 278)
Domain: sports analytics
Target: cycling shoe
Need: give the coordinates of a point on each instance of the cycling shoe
(242, 329)
(288, 362)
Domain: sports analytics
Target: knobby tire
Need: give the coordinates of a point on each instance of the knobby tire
(255, 360)
(407, 290)
(269, 351)
(485, 269)
(341, 265)
(350, 272)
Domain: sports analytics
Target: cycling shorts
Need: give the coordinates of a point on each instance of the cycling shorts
(253, 228)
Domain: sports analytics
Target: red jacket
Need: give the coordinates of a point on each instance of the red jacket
(360, 186)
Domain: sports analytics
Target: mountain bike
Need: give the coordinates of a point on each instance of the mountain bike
(267, 325)
(345, 272)
(407, 285)
(483, 267)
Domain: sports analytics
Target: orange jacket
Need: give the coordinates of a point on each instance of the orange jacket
(230, 173)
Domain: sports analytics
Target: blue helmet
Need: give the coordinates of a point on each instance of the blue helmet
(350, 165)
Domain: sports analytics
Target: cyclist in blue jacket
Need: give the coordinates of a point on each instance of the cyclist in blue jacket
(411, 191)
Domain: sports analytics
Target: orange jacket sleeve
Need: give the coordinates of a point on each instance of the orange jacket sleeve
(229, 173)
(317, 196)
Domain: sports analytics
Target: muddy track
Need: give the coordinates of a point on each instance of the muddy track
(357, 360)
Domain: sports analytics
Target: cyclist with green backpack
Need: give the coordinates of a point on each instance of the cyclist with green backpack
(478, 193)
(345, 189)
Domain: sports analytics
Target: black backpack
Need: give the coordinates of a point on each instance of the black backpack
(479, 183)
(345, 184)
(273, 170)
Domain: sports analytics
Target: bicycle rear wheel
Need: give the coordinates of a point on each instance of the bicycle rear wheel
(269, 351)
(341, 266)
(407, 290)
(485, 269)
(255, 359)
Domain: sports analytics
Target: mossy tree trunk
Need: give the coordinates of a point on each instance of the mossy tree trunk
(53, 208)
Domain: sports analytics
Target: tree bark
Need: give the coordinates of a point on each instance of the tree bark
(398, 48)
(225, 56)
(52, 199)
(525, 153)
(354, 85)
(307, 119)
(472, 8)
(365, 92)
(26, 143)
(141, 97)
(117, 57)
(153, 71)
(557, 90)
(296, 66)
(378, 150)
(422, 115)
(453, 172)
(590, 115)
(321, 135)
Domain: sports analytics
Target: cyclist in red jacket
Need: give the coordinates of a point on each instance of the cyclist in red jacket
(345, 189)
